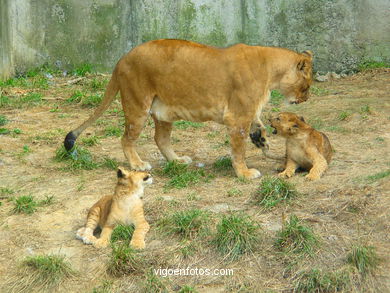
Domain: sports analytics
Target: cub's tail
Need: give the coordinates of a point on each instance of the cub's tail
(109, 96)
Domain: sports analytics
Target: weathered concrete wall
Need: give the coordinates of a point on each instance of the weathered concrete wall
(341, 33)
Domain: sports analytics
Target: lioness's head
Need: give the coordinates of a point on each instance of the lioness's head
(133, 178)
(287, 124)
(296, 82)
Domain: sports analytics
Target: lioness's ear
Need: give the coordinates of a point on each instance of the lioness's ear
(308, 53)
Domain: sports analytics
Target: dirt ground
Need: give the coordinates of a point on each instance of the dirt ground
(350, 204)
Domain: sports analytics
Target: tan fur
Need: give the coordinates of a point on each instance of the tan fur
(124, 207)
(305, 147)
(175, 79)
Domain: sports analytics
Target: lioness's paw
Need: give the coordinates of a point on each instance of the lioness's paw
(100, 243)
(185, 160)
(312, 177)
(137, 244)
(142, 166)
(250, 174)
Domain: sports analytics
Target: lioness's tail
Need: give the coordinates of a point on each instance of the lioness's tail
(109, 95)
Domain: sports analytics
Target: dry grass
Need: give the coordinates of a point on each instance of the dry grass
(349, 205)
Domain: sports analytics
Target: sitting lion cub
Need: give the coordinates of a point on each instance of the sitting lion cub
(125, 206)
(305, 147)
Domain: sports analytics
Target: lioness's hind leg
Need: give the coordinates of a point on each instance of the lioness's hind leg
(162, 136)
(136, 114)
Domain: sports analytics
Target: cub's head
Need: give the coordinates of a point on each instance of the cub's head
(296, 82)
(287, 124)
(133, 178)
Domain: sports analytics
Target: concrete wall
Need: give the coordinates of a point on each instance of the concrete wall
(341, 33)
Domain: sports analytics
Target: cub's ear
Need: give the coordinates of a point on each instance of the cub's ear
(302, 119)
(308, 53)
(121, 173)
(302, 65)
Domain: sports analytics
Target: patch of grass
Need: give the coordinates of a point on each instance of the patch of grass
(343, 115)
(336, 128)
(323, 282)
(274, 190)
(223, 164)
(83, 69)
(121, 233)
(3, 120)
(181, 176)
(97, 84)
(113, 130)
(295, 237)
(47, 201)
(364, 258)
(186, 124)
(276, 98)
(4, 131)
(5, 191)
(188, 224)
(92, 100)
(105, 287)
(236, 235)
(46, 271)
(76, 159)
(4, 101)
(153, 283)
(75, 98)
(317, 91)
(31, 99)
(187, 289)
(90, 141)
(370, 64)
(378, 176)
(25, 204)
(124, 260)
(109, 163)
(233, 192)
(316, 123)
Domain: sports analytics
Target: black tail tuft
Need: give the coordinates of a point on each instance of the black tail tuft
(69, 141)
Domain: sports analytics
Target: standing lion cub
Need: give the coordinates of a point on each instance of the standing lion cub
(305, 147)
(125, 206)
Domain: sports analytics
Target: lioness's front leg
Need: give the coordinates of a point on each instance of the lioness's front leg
(238, 137)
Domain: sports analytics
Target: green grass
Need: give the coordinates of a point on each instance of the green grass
(122, 233)
(363, 258)
(187, 289)
(25, 204)
(273, 191)
(3, 120)
(276, 98)
(109, 163)
(105, 287)
(223, 164)
(186, 124)
(295, 237)
(83, 69)
(378, 176)
(75, 98)
(370, 64)
(317, 281)
(4, 101)
(182, 176)
(77, 159)
(113, 130)
(234, 192)
(153, 283)
(316, 123)
(46, 271)
(188, 224)
(5, 191)
(317, 91)
(92, 100)
(97, 84)
(124, 260)
(236, 235)
(90, 141)
(343, 115)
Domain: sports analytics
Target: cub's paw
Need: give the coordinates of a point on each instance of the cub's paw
(258, 139)
(141, 166)
(100, 243)
(312, 177)
(137, 244)
(90, 239)
(80, 233)
(250, 174)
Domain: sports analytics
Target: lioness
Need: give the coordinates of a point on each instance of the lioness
(176, 79)
(125, 206)
(305, 147)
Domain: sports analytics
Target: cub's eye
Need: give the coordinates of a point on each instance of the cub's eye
(146, 178)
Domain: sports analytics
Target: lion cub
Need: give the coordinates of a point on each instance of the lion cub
(125, 206)
(305, 147)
